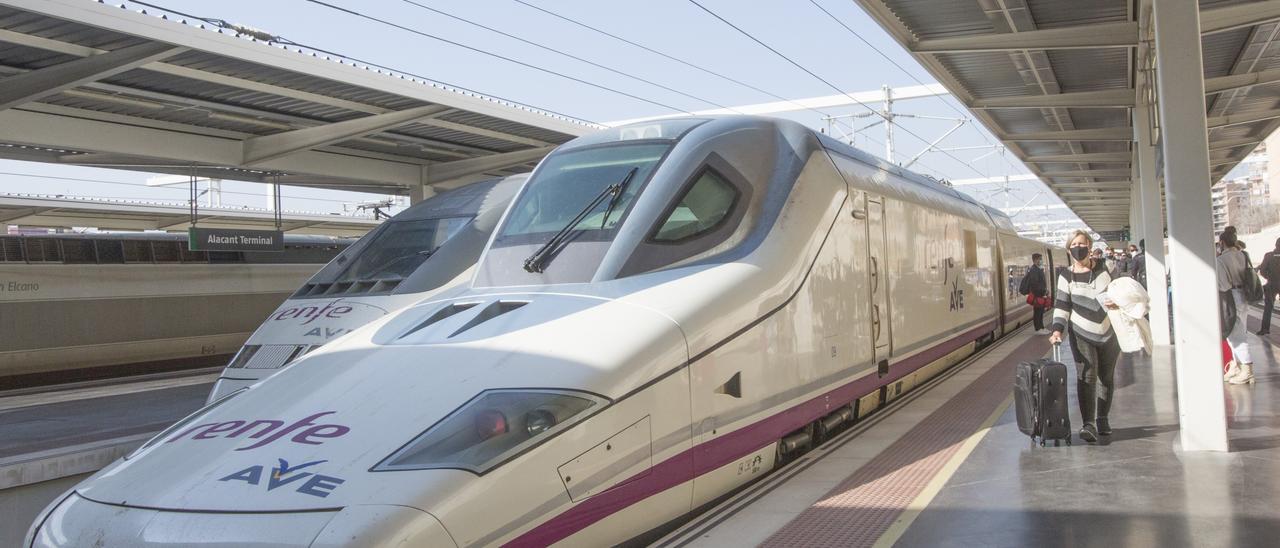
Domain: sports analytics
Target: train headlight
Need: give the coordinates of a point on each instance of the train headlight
(494, 427)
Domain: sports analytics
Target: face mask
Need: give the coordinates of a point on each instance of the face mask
(1080, 253)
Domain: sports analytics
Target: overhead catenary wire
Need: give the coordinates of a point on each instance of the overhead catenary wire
(566, 54)
(909, 74)
(221, 23)
(701, 68)
(284, 41)
(494, 55)
(668, 56)
(824, 80)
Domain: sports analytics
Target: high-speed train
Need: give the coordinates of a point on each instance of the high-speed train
(423, 250)
(154, 304)
(666, 312)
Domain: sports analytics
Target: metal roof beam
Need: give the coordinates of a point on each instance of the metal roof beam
(1246, 118)
(47, 81)
(1088, 158)
(1233, 143)
(442, 173)
(454, 126)
(21, 126)
(1104, 134)
(9, 216)
(1237, 16)
(1087, 173)
(1103, 35)
(1106, 186)
(1084, 197)
(1240, 81)
(276, 145)
(1078, 99)
(253, 85)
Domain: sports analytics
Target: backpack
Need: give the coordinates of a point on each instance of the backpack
(1025, 286)
(1250, 285)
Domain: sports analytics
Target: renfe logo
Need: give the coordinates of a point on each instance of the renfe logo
(312, 313)
(266, 431)
(317, 485)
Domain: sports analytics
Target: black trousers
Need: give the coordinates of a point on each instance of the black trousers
(1269, 302)
(1037, 317)
(1095, 375)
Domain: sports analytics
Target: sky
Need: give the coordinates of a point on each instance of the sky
(679, 28)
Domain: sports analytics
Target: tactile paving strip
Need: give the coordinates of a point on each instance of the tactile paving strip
(863, 506)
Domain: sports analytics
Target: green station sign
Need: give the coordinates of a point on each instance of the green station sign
(225, 239)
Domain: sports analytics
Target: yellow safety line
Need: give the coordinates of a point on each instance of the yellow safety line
(917, 505)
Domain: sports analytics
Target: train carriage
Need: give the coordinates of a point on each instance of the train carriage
(154, 304)
(425, 250)
(666, 312)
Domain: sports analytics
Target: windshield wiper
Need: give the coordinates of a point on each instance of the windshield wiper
(542, 257)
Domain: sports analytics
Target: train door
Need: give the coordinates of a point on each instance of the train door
(879, 274)
(1004, 294)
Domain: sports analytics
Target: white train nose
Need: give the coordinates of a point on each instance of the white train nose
(78, 521)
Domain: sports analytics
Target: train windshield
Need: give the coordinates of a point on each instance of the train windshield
(400, 247)
(563, 222)
(568, 182)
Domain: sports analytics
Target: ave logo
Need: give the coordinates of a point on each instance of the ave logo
(307, 483)
(957, 295)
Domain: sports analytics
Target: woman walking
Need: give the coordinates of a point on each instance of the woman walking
(1232, 267)
(1078, 311)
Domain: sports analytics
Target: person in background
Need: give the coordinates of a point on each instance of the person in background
(1035, 283)
(1270, 271)
(1122, 264)
(1232, 267)
(1078, 311)
(1138, 265)
(1110, 259)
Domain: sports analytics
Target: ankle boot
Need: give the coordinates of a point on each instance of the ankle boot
(1244, 376)
(1233, 369)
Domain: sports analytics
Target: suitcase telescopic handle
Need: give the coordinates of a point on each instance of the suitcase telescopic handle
(1057, 352)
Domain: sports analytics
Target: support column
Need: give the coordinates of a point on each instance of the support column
(1152, 224)
(1180, 74)
(421, 191)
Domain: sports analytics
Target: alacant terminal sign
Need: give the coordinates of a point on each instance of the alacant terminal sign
(225, 239)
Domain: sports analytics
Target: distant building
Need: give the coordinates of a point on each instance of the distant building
(1249, 200)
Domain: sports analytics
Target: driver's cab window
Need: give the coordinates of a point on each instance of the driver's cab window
(703, 207)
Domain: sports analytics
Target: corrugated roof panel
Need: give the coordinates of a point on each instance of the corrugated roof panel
(303, 82)
(1090, 69)
(1098, 118)
(931, 19)
(986, 75)
(1059, 13)
(1221, 49)
(30, 58)
(1021, 120)
(505, 126)
(452, 136)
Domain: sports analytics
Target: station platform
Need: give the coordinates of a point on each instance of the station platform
(947, 466)
(43, 420)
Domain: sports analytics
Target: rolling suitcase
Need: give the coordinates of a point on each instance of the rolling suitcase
(1040, 399)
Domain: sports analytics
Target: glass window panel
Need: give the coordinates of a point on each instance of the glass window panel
(567, 182)
(706, 203)
(400, 247)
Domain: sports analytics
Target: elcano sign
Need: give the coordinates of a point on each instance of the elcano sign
(226, 239)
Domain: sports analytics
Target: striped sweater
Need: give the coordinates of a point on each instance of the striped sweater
(1076, 302)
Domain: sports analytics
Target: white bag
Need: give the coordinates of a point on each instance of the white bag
(1129, 321)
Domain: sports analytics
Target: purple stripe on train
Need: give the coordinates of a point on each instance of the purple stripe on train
(709, 456)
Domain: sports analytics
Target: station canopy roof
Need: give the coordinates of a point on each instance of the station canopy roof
(134, 215)
(87, 83)
(1054, 80)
